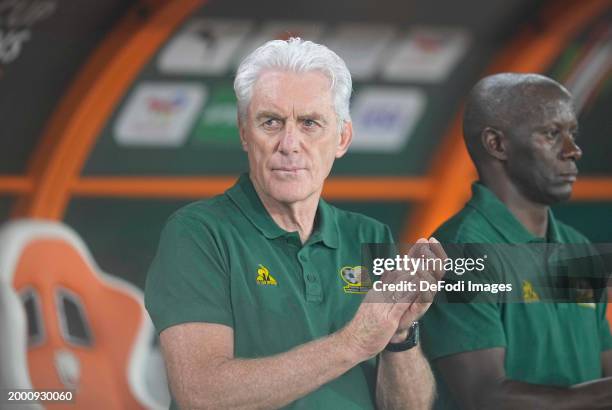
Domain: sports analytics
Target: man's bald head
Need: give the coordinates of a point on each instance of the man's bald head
(502, 102)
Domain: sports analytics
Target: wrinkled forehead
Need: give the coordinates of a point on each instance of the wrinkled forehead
(283, 88)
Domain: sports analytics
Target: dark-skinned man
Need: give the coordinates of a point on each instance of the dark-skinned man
(520, 131)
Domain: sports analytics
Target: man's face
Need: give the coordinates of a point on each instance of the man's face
(291, 135)
(542, 150)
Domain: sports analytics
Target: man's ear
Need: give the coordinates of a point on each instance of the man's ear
(346, 136)
(495, 143)
(242, 133)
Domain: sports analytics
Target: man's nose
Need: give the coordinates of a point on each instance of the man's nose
(571, 150)
(289, 139)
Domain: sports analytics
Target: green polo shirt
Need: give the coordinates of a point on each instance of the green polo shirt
(546, 343)
(224, 260)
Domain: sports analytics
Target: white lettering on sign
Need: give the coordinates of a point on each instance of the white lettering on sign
(16, 20)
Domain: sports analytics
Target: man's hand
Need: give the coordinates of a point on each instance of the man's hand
(431, 249)
(385, 316)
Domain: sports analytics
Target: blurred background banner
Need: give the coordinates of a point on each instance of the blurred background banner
(114, 114)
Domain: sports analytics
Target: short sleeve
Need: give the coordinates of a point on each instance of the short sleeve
(387, 235)
(451, 328)
(602, 305)
(604, 328)
(188, 280)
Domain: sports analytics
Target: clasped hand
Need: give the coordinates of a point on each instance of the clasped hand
(386, 314)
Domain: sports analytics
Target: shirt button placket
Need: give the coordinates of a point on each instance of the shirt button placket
(311, 279)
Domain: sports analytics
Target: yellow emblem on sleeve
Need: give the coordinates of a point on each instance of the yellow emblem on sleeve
(529, 294)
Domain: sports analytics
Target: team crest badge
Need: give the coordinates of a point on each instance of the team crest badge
(356, 278)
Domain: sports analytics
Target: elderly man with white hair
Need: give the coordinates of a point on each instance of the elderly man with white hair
(258, 293)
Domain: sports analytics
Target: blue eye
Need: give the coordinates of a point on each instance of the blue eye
(310, 123)
(272, 123)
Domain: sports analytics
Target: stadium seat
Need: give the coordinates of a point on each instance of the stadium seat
(67, 325)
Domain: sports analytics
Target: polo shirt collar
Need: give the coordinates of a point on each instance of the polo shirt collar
(553, 234)
(500, 217)
(326, 225)
(244, 195)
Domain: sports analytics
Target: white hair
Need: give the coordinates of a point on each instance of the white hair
(295, 55)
